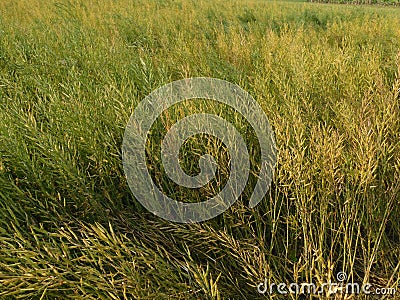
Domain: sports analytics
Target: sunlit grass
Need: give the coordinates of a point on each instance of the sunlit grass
(72, 72)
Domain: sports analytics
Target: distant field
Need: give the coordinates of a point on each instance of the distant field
(73, 71)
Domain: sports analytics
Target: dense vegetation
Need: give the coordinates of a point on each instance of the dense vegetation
(71, 73)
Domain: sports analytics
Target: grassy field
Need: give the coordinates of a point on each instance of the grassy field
(71, 74)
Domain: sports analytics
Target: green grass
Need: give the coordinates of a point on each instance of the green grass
(72, 72)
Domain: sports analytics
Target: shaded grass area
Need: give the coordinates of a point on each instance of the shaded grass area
(71, 74)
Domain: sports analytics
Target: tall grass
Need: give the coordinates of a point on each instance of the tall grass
(71, 73)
